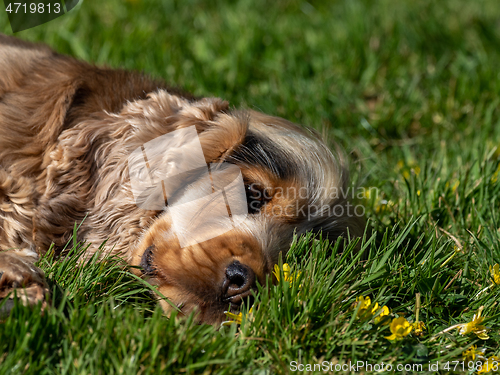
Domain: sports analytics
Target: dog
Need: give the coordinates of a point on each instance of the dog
(68, 135)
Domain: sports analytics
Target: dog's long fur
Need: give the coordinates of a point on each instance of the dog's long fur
(67, 129)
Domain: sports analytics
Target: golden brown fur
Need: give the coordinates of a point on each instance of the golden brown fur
(66, 131)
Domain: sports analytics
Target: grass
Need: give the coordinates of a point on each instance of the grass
(412, 92)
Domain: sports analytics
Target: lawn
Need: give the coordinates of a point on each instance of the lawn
(410, 89)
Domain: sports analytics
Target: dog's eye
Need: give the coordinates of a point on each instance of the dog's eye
(256, 198)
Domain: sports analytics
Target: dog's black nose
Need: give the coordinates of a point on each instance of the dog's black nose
(238, 283)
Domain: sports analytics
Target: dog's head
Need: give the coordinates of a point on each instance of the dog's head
(265, 178)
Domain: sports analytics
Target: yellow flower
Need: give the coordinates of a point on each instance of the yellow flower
(400, 328)
(495, 274)
(383, 205)
(399, 165)
(379, 204)
(287, 275)
(372, 310)
(367, 194)
(406, 168)
(472, 353)
(286, 271)
(454, 186)
(491, 364)
(365, 302)
(474, 326)
(469, 354)
(235, 318)
(365, 308)
(419, 328)
(384, 314)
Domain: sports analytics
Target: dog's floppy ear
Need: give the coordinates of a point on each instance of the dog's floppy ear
(219, 130)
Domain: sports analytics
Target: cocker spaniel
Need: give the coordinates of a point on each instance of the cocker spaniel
(201, 197)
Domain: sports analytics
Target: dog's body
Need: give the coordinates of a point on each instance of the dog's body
(67, 130)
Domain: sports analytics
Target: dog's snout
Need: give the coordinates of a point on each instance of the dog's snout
(239, 282)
